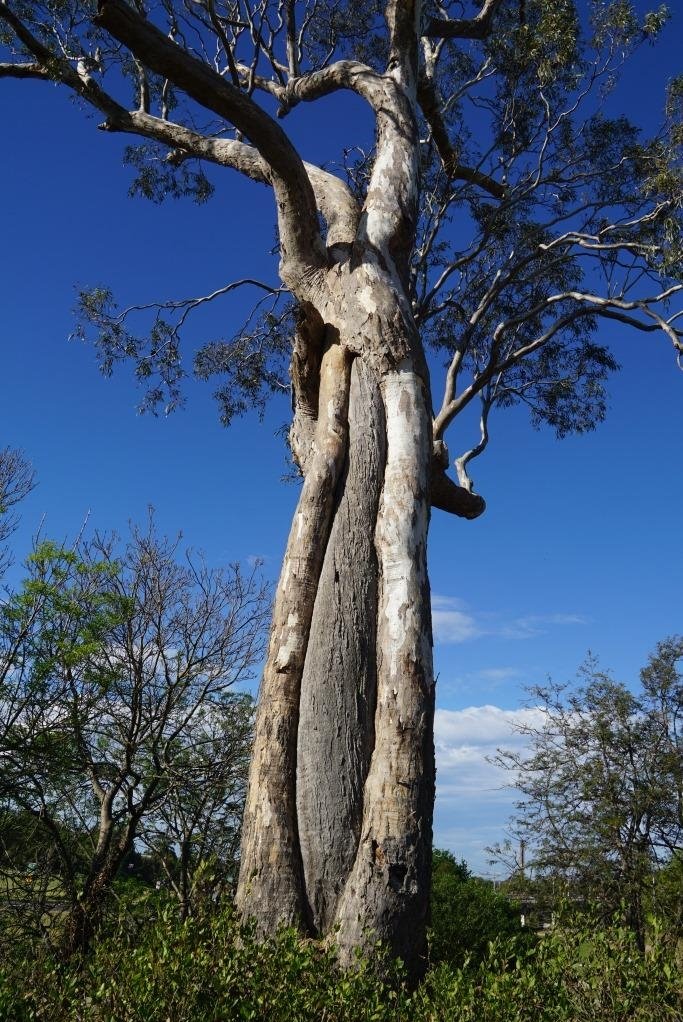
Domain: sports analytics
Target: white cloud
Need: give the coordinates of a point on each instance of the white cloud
(494, 675)
(474, 797)
(453, 622)
(481, 725)
(531, 625)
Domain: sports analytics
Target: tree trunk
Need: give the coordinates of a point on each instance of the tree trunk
(85, 915)
(339, 681)
(386, 894)
(270, 887)
(337, 826)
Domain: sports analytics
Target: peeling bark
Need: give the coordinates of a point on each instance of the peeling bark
(270, 888)
(385, 896)
(338, 689)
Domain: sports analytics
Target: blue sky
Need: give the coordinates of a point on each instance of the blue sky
(580, 547)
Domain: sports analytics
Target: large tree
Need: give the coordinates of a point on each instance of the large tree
(498, 219)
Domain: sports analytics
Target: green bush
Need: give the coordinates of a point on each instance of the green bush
(209, 969)
(467, 914)
(204, 970)
(575, 974)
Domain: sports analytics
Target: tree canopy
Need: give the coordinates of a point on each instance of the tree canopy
(540, 214)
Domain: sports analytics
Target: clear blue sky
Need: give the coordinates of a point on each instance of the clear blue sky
(580, 547)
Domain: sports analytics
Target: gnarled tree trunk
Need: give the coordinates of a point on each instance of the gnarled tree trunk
(339, 681)
(338, 820)
(337, 828)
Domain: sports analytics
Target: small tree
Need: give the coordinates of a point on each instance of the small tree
(194, 833)
(111, 656)
(466, 913)
(602, 786)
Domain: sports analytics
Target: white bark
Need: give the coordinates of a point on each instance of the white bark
(386, 894)
(270, 888)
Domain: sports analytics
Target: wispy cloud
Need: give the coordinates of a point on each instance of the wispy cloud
(453, 622)
(450, 622)
(531, 625)
(495, 675)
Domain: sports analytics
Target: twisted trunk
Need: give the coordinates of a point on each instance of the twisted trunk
(337, 826)
(339, 682)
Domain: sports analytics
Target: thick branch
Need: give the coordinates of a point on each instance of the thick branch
(429, 104)
(456, 500)
(343, 74)
(332, 197)
(464, 28)
(403, 23)
(25, 70)
(389, 218)
(292, 48)
(302, 248)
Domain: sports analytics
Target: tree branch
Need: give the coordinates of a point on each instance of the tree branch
(464, 28)
(58, 68)
(25, 70)
(303, 252)
(456, 500)
(332, 196)
(429, 104)
(353, 75)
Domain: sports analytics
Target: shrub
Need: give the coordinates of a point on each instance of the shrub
(467, 914)
(209, 969)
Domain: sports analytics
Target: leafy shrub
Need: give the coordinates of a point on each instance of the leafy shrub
(467, 914)
(209, 969)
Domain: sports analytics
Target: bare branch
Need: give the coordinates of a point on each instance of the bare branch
(429, 104)
(58, 68)
(464, 28)
(299, 236)
(463, 461)
(332, 197)
(188, 305)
